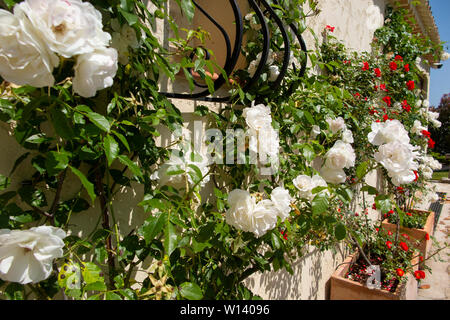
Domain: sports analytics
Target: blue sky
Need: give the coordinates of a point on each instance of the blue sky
(440, 78)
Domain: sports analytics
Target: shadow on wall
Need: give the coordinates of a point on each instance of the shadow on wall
(310, 280)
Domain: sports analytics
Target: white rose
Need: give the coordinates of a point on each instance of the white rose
(347, 136)
(306, 184)
(244, 214)
(252, 68)
(336, 125)
(426, 171)
(389, 131)
(340, 156)
(333, 175)
(274, 72)
(24, 58)
(258, 116)
(433, 117)
(445, 56)
(433, 197)
(417, 128)
(26, 256)
(269, 143)
(68, 27)
(315, 131)
(418, 103)
(282, 201)
(95, 71)
(426, 104)
(123, 38)
(398, 160)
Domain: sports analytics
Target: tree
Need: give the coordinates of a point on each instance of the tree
(442, 135)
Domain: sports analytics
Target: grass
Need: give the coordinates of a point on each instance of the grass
(440, 175)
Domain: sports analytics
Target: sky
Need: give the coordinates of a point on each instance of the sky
(440, 78)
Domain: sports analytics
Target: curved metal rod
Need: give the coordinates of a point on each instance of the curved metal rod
(287, 45)
(231, 58)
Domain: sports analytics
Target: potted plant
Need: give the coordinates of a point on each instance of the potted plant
(385, 268)
(418, 225)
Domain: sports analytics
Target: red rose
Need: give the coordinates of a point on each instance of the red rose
(388, 100)
(400, 272)
(421, 259)
(393, 66)
(404, 246)
(427, 237)
(377, 72)
(383, 87)
(398, 58)
(377, 229)
(431, 143)
(389, 244)
(390, 233)
(411, 85)
(374, 206)
(330, 28)
(409, 214)
(419, 274)
(417, 175)
(426, 133)
(365, 66)
(385, 117)
(404, 235)
(406, 67)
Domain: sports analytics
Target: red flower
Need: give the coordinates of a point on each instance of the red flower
(426, 133)
(389, 244)
(406, 67)
(409, 214)
(419, 274)
(377, 229)
(347, 62)
(417, 175)
(427, 237)
(377, 72)
(385, 117)
(400, 272)
(421, 259)
(284, 233)
(400, 189)
(388, 100)
(389, 233)
(330, 28)
(431, 143)
(404, 235)
(404, 246)
(356, 215)
(357, 95)
(365, 66)
(398, 58)
(393, 66)
(411, 85)
(374, 206)
(383, 87)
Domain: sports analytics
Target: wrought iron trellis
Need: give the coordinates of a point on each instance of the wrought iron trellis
(261, 8)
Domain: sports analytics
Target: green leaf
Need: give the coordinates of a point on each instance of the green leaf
(371, 190)
(152, 227)
(112, 296)
(86, 183)
(4, 182)
(122, 139)
(188, 9)
(61, 124)
(131, 18)
(383, 203)
(56, 162)
(191, 291)
(91, 273)
(171, 239)
(100, 121)
(111, 149)
(96, 286)
(361, 170)
(340, 231)
(320, 203)
(131, 165)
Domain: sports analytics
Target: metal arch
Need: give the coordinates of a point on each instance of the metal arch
(232, 57)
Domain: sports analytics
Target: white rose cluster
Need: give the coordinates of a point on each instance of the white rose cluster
(248, 215)
(395, 153)
(341, 155)
(430, 116)
(264, 139)
(428, 166)
(39, 30)
(26, 256)
(306, 184)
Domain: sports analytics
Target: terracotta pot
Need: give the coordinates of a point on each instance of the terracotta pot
(346, 289)
(416, 234)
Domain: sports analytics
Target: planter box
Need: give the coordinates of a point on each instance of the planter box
(346, 289)
(416, 234)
